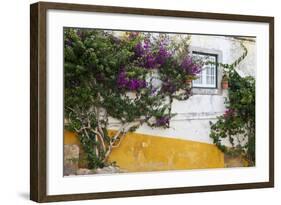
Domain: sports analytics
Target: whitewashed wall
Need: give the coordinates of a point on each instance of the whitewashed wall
(195, 114)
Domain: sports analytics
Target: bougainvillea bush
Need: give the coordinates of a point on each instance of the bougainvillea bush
(131, 77)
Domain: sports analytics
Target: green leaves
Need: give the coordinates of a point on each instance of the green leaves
(242, 120)
(69, 54)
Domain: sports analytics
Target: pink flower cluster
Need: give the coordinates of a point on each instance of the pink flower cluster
(162, 121)
(149, 59)
(131, 84)
(229, 113)
(190, 67)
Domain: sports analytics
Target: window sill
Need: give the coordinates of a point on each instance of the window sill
(206, 91)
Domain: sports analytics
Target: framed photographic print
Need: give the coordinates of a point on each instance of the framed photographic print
(134, 102)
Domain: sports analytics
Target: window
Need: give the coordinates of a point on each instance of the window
(208, 76)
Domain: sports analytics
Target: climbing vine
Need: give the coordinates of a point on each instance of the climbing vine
(237, 125)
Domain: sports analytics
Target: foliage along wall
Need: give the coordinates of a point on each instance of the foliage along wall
(102, 70)
(98, 86)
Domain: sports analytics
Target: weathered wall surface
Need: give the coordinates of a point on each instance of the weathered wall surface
(139, 152)
(192, 120)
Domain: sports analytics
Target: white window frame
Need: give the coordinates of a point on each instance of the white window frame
(204, 72)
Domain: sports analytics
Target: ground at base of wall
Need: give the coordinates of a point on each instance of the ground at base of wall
(239, 161)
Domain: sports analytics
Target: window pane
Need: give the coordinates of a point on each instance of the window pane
(207, 77)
